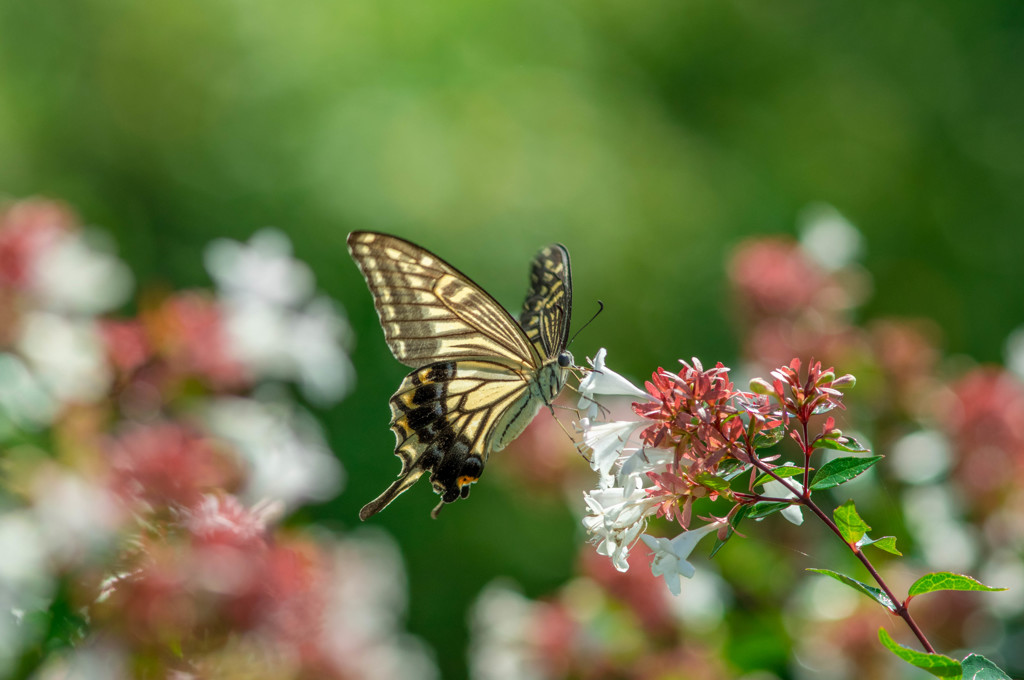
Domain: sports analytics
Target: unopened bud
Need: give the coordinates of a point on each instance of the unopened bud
(761, 386)
(844, 381)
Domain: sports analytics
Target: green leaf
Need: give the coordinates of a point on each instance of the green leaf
(712, 481)
(944, 580)
(770, 437)
(874, 593)
(765, 508)
(734, 522)
(783, 471)
(977, 667)
(939, 665)
(886, 543)
(851, 526)
(848, 445)
(839, 470)
(731, 468)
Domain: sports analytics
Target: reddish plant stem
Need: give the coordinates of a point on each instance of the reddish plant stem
(803, 497)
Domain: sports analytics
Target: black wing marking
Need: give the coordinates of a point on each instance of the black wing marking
(445, 418)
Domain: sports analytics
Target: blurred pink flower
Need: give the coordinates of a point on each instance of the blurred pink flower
(773, 276)
(188, 330)
(985, 419)
(168, 465)
(27, 228)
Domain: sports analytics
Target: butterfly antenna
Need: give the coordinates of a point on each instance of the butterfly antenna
(600, 308)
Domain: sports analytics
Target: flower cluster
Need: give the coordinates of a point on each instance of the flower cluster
(150, 458)
(694, 434)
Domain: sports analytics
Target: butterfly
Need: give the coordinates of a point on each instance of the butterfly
(480, 376)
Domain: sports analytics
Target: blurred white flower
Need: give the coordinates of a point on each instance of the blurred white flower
(70, 275)
(262, 269)
(502, 623)
(671, 555)
(829, 238)
(362, 625)
(288, 458)
(920, 457)
(76, 517)
(91, 661)
(26, 582)
(23, 399)
(776, 489)
(272, 325)
(324, 371)
(934, 516)
(66, 355)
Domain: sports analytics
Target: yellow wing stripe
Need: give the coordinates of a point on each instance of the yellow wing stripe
(430, 311)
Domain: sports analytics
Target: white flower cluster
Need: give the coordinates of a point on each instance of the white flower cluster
(59, 354)
(277, 326)
(618, 510)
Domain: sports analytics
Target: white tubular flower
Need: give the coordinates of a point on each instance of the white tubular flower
(671, 555)
(607, 442)
(776, 489)
(616, 516)
(603, 380)
(639, 463)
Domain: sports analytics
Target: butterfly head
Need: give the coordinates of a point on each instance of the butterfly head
(565, 359)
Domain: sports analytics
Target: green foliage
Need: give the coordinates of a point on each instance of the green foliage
(840, 470)
(886, 543)
(734, 522)
(849, 445)
(767, 438)
(874, 593)
(944, 580)
(939, 665)
(783, 471)
(850, 524)
(765, 508)
(977, 667)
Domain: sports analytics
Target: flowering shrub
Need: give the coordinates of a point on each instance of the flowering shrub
(692, 455)
(149, 459)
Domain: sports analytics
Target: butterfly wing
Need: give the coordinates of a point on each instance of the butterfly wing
(430, 311)
(480, 378)
(447, 417)
(548, 307)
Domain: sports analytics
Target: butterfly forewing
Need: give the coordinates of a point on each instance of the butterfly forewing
(480, 377)
(429, 310)
(548, 307)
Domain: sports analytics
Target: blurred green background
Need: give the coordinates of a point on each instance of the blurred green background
(649, 138)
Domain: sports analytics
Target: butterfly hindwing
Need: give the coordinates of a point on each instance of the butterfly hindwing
(480, 377)
(429, 310)
(448, 416)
